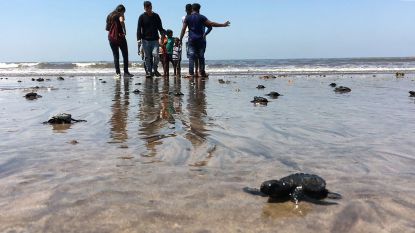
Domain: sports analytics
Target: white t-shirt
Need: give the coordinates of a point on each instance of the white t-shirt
(186, 34)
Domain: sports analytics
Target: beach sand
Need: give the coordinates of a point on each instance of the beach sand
(156, 162)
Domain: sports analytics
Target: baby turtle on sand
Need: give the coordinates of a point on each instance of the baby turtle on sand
(40, 79)
(411, 93)
(260, 87)
(342, 89)
(62, 118)
(333, 84)
(267, 77)
(400, 74)
(177, 93)
(273, 94)
(60, 79)
(136, 91)
(297, 187)
(32, 96)
(259, 100)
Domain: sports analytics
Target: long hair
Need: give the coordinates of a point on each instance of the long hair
(120, 9)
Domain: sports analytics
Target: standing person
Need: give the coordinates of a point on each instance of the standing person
(169, 50)
(196, 24)
(116, 36)
(209, 29)
(148, 28)
(163, 53)
(188, 10)
(177, 57)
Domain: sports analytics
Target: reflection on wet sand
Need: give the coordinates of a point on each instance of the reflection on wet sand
(196, 106)
(155, 114)
(120, 109)
(285, 210)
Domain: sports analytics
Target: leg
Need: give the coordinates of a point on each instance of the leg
(155, 53)
(197, 66)
(147, 55)
(124, 51)
(175, 67)
(201, 55)
(116, 54)
(191, 54)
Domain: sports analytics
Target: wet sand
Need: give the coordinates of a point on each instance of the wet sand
(156, 162)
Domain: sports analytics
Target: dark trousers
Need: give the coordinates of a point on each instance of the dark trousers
(166, 59)
(197, 52)
(116, 53)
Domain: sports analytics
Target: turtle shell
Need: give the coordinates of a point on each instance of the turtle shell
(61, 118)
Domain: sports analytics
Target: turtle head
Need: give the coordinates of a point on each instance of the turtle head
(275, 188)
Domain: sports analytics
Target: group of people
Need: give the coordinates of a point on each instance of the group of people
(156, 44)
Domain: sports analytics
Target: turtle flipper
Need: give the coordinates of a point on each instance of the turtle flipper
(78, 120)
(317, 202)
(335, 196)
(254, 191)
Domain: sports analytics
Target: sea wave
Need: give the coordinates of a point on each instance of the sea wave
(283, 66)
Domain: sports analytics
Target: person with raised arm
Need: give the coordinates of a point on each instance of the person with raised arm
(197, 23)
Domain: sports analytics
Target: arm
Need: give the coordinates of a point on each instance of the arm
(122, 21)
(139, 29)
(209, 29)
(209, 23)
(183, 31)
(160, 27)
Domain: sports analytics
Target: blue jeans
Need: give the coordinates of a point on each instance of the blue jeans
(197, 51)
(151, 54)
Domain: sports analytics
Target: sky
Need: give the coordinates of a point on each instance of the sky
(74, 30)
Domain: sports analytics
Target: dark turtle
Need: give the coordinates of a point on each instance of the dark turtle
(259, 100)
(273, 94)
(333, 84)
(61, 78)
(297, 187)
(138, 84)
(104, 81)
(260, 87)
(400, 74)
(136, 91)
(412, 93)
(32, 96)
(62, 118)
(267, 77)
(40, 79)
(178, 94)
(342, 89)
(33, 79)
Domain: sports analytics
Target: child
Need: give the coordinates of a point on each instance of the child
(169, 49)
(177, 57)
(163, 54)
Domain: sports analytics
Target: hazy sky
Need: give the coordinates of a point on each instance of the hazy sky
(74, 30)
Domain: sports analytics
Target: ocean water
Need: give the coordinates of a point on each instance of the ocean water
(160, 162)
(288, 66)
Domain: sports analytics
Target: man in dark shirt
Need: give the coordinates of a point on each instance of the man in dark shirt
(197, 24)
(149, 26)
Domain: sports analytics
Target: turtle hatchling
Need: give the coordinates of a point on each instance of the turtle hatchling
(259, 100)
(273, 94)
(62, 118)
(32, 96)
(296, 187)
(342, 89)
